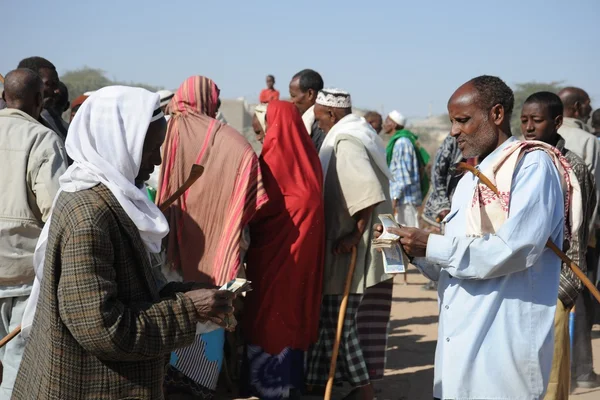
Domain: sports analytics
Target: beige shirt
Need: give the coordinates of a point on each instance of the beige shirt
(32, 158)
(353, 183)
(586, 146)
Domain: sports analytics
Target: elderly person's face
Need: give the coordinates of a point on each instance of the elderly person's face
(258, 130)
(389, 126)
(151, 152)
(473, 126)
(375, 122)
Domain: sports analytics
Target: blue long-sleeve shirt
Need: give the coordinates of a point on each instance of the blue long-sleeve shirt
(406, 185)
(497, 293)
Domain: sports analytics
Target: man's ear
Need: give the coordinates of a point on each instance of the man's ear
(312, 95)
(558, 121)
(497, 114)
(577, 108)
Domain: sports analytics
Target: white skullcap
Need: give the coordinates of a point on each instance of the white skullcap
(335, 98)
(261, 113)
(397, 118)
(165, 97)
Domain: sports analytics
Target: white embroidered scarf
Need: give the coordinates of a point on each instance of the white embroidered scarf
(487, 212)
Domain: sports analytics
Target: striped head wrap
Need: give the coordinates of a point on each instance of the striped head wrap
(197, 95)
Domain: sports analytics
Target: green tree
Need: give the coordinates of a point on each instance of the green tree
(522, 91)
(87, 79)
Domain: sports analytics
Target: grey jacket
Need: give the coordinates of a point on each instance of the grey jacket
(32, 158)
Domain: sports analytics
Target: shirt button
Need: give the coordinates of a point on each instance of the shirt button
(446, 307)
(447, 339)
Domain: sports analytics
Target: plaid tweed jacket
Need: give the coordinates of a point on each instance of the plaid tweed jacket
(102, 329)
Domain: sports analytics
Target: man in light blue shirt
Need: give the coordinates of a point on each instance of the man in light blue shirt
(497, 292)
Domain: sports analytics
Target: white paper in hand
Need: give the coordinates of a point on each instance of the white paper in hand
(395, 259)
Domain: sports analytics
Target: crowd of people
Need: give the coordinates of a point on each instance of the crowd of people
(114, 287)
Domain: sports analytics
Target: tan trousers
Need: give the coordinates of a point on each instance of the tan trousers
(560, 375)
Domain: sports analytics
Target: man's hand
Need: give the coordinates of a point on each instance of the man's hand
(413, 240)
(345, 244)
(212, 303)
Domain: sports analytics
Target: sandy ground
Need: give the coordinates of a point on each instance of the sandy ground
(411, 346)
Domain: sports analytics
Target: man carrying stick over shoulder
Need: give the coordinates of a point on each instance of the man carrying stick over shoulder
(356, 190)
(498, 283)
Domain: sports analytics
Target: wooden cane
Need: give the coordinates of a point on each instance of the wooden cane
(340, 325)
(574, 267)
(195, 173)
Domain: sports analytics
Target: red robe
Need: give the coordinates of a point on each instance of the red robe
(287, 239)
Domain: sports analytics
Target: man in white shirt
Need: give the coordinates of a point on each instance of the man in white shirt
(497, 290)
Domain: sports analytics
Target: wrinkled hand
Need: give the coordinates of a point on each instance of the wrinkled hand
(228, 322)
(413, 240)
(199, 285)
(346, 243)
(212, 304)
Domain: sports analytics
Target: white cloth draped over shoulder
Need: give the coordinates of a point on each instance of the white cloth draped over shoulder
(359, 128)
(309, 119)
(105, 142)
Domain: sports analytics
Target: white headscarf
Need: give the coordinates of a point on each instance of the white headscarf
(359, 128)
(105, 142)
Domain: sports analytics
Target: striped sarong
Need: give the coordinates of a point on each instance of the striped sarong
(361, 357)
(373, 319)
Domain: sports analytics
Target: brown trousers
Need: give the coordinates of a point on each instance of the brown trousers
(560, 375)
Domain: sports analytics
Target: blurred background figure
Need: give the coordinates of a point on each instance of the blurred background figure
(270, 93)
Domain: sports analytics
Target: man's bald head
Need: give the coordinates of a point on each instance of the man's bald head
(480, 113)
(23, 90)
(576, 103)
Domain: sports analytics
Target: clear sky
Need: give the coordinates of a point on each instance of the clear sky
(391, 54)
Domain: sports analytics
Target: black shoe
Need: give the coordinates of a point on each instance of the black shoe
(591, 381)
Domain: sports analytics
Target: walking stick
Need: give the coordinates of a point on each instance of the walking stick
(195, 173)
(2, 82)
(340, 326)
(574, 267)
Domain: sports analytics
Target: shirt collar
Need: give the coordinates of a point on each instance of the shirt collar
(494, 154)
(573, 123)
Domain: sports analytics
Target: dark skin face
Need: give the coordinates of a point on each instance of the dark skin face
(270, 82)
(258, 130)
(155, 137)
(302, 100)
(390, 126)
(50, 79)
(376, 123)
(478, 132)
(537, 124)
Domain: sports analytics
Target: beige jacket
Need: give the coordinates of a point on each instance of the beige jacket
(32, 158)
(586, 146)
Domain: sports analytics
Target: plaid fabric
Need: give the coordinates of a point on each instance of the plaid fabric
(372, 320)
(570, 286)
(406, 185)
(101, 330)
(351, 366)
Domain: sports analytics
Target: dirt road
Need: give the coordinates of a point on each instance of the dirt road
(411, 345)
